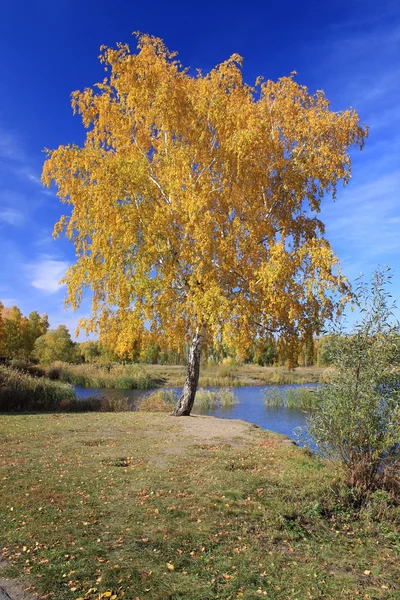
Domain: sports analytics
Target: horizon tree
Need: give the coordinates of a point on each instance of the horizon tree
(194, 204)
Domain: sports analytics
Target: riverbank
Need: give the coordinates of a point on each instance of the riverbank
(236, 375)
(143, 376)
(135, 505)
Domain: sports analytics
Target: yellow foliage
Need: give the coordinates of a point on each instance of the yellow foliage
(194, 201)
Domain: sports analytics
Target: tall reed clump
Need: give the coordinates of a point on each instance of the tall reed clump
(165, 400)
(206, 399)
(21, 392)
(303, 398)
(123, 377)
(94, 404)
(159, 401)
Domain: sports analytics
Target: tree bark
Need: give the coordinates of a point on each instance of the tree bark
(185, 403)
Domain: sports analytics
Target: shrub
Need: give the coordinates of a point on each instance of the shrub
(356, 420)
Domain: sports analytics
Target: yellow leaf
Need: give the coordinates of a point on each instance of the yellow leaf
(198, 219)
(170, 567)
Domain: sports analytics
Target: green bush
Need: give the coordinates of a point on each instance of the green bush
(356, 420)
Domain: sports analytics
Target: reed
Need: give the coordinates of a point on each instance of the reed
(159, 401)
(303, 398)
(20, 392)
(165, 400)
(123, 377)
(206, 399)
(94, 404)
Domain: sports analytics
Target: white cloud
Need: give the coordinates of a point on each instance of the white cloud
(46, 274)
(365, 221)
(11, 217)
(16, 160)
(10, 147)
(29, 174)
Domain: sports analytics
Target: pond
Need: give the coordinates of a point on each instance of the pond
(251, 406)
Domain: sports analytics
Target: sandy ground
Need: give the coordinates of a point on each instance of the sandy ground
(11, 589)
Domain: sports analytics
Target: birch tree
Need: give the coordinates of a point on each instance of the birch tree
(194, 204)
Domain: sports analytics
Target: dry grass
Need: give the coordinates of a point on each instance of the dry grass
(235, 376)
(22, 392)
(165, 400)
(94, 375)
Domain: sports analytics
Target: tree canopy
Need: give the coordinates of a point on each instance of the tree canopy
(18, 333)
(194, 201)
(55, 344)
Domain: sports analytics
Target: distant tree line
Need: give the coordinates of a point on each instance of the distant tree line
(29, 338)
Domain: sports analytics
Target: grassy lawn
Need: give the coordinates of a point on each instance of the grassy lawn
(135, 505)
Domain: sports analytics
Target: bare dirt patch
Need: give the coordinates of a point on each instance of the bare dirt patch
(13, 589)
(209, 431)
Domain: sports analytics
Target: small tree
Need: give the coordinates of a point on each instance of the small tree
(36, 326)
(194, 204)
(15, 325)
(90, 351)
(56, 344)
(357, 416)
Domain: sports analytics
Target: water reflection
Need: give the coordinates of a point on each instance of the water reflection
(251, 406)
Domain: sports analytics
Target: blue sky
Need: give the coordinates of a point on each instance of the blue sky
(350, 49)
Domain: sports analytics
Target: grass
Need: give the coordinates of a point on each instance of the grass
(206, 399)
(94, 375)
(165, 400)
(135, 376)
(22, 392)
(94, 404)
(160, 401)
(130, 506)
(303, 398)
(235, 376)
